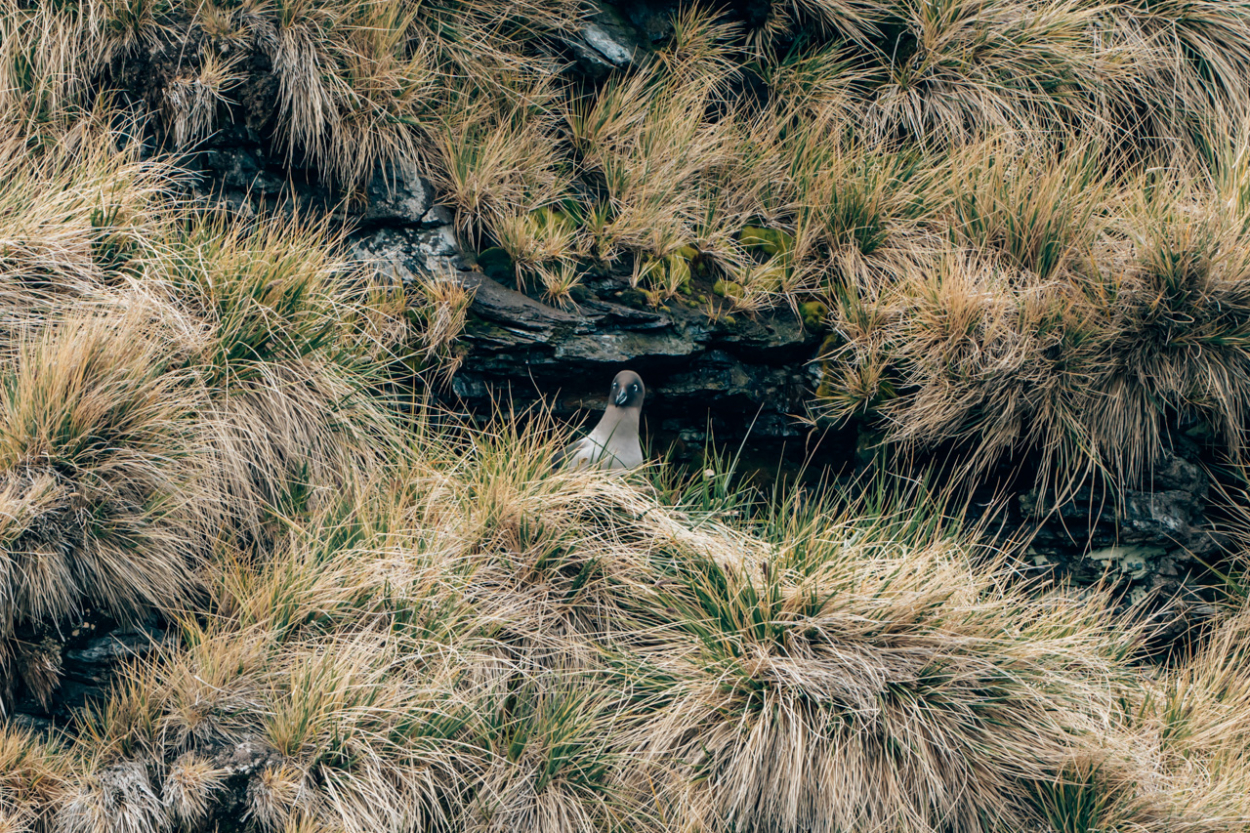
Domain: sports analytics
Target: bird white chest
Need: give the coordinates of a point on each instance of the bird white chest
(613, 445)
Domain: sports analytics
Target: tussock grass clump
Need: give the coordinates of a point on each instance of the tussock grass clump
(396, 663)
(1182, 62)
(36, 772)
(288, 343)
(168, 379)
(376, 667)
(956, 70)
(331, 654)
(554, 753)
(46, 62)
(106, 497)
(463, 639)
(1037, 207)
(980, 353)
(73, 214)
(1081, 327)
(1197, 726)
(354, 81)
(1182, 312)
(690, 146)
(827, 683)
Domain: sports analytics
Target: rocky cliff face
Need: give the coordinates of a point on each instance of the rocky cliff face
(713, 373)
(1151, 543)
(707, 368)
(732, 374)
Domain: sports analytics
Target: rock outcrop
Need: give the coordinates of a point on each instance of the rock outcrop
(731, 374)
(62, 666)
(1152, 543)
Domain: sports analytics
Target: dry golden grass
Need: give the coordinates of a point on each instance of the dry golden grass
(1024, 243)
(99, 464)
(440, 312)
(168, 379)
(1073, 315)
(288, 343)
(473, 643)
(73, 212)
(1197, 726)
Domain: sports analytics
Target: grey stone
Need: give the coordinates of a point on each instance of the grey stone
(239, 764)
(1177, 473)
(1135, 562)
(397, 193)
(608, 44)
(624, 347)
(494, 301)
(1147, 538)
(30, 722)
(653, 19)
(605, 42)
(123, 790)
(1149, 516)
(406, 252)
(438, 215)
(244, 169)
(244, 758)
(98, 660)
(606, 312)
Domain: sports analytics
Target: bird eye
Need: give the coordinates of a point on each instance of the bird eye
(635, 387)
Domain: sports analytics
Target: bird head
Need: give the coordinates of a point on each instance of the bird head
(627, 390)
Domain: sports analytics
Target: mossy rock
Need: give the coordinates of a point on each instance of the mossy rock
(769, 241)
(770, 278)
(870, 444)
(495, 263)
(581, 294)
(831, 343)
(687, 253)
(477, 325)
(728, 289)
(632, 297)
(813, 314)
(825, 389)
(678, 270)
(729, 321)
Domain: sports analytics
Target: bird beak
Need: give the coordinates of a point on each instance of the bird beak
(622, 397)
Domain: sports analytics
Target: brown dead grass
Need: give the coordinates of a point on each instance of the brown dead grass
(420, 625)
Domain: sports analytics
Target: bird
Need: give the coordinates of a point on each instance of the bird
(614, 444)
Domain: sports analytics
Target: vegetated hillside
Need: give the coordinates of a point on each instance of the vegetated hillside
(1023, 224)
